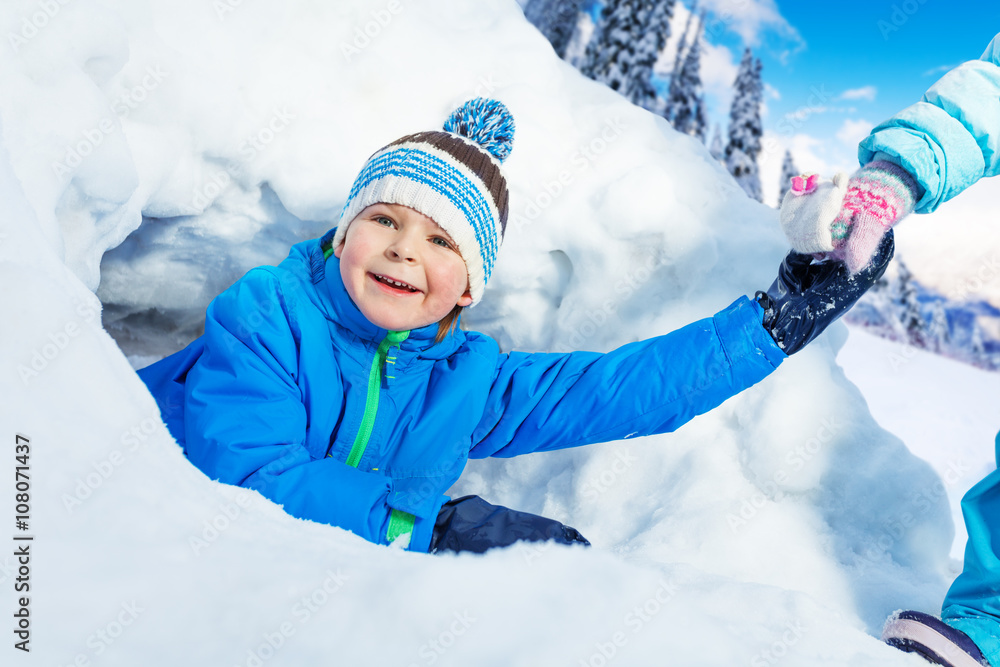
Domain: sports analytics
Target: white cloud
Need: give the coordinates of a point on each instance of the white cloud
(802, 114)
(866, 93)
(751, 19)
(941, 69)
(853, 131)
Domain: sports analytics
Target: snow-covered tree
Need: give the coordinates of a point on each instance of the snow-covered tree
(716, 148)
(938, 334)
(745, 127)
(788, 170)
(556, 19)
(672, 92)
(975, 352)
(686, 99)
(908, 311)
(626, 43)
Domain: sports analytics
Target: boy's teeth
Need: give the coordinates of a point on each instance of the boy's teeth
(396, 283)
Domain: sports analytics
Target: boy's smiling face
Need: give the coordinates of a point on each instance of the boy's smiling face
(389, 244)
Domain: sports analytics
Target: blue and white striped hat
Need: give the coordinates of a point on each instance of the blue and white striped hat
(452, 177)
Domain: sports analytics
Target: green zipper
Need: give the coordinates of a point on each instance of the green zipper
(371, 403)
(400, 523)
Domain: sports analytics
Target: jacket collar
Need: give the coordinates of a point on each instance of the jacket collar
(346, 314)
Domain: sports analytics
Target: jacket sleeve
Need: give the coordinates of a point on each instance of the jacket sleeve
(541, 402)
(951, 138)
(246, 418)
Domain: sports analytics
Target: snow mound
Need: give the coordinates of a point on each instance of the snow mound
(154, 151)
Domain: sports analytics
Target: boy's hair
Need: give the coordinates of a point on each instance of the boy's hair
(453, 177)
(447, 324)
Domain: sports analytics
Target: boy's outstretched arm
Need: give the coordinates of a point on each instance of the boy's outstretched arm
(245, 421)
(542, 402)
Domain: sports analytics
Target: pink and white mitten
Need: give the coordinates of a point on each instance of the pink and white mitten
(809, 210)
(879, 195)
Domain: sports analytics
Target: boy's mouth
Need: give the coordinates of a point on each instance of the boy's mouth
(397, 285)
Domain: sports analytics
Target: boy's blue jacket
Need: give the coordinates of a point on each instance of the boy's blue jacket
(272, 396)
(951, 138)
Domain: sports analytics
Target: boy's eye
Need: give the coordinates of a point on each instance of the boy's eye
(382, 220)
(437, 240)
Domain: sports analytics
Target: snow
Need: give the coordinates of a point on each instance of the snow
(944, 410)
(782, 528)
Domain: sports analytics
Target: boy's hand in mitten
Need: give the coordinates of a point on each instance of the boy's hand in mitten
(876, 197)
(808, 296)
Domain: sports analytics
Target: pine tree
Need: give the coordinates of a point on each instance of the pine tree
(716, 148)
(908, 307)
(686, 104)
(788, 170)
(556, 19)
(938, 334)
(745, 128)
(673, 91)
(977, 347)
(626, 44)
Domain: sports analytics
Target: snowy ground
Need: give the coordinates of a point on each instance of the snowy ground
(196, 140)
(944, 411)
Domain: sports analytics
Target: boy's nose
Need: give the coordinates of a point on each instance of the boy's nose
(401, 249)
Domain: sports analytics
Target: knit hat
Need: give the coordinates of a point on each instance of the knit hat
(452, 177)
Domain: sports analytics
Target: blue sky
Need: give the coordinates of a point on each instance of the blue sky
(834, 70)
(868, 45)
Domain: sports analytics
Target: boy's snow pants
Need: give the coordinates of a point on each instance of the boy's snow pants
(973, 601)
(472, 524)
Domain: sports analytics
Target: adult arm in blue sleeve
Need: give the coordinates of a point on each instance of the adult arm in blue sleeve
(541, 402)
(246, 420)
(951, 138)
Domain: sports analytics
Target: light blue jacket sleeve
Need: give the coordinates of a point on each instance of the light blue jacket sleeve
(951, 138)
(541, 402)
(245, 420)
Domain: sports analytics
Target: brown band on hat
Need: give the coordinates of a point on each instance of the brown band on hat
(476, 159)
